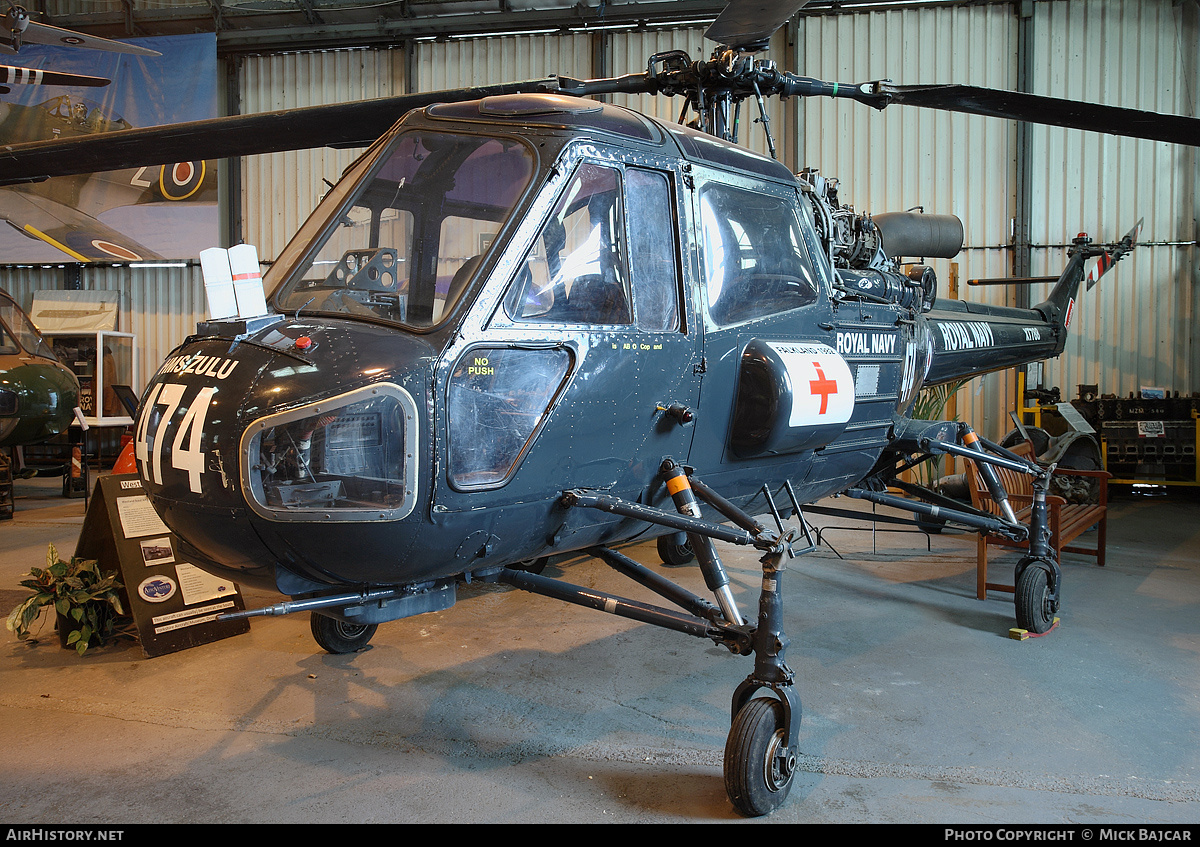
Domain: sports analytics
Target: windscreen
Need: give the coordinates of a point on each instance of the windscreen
(17, 333)
(409, 238)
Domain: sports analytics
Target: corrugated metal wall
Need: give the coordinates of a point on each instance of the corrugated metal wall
(279, 190)
(1138, 326)
(479, 61)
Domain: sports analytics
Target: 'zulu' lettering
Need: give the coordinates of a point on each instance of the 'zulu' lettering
(866, 343)
(966, 335)
(213, 366)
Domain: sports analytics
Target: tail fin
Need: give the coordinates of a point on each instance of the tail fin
(1057, 309)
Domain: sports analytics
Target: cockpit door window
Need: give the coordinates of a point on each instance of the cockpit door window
(756, 262)
(576, 271)
(652, 250)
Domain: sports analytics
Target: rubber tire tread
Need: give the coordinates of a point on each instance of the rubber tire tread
(1032, 587)
(328, 638)
(674, 554)
(745, 754)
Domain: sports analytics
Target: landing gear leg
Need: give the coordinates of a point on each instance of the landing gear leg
(1038, 578)
(761, 751)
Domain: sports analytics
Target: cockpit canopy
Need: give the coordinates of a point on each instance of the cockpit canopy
(17, 333)
(404, 242)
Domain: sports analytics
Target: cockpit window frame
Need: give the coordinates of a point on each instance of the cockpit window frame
(411, 423)
(313, 235)
(18, 327)
(587, 153)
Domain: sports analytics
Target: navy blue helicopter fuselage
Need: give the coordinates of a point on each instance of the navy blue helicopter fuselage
(509, 298)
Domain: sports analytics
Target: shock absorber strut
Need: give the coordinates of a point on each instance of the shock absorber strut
(988, 473)
(715, 577)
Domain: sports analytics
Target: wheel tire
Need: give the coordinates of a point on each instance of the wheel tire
(1033, 603)
(755, 780)
(674, 553)
(335, 636)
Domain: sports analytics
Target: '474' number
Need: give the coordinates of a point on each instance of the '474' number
(189, 457)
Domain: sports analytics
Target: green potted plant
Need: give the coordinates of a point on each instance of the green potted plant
(87, 602)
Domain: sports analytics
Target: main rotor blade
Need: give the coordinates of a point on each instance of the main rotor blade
(1036, 108)
(749, 24)
(355, 124)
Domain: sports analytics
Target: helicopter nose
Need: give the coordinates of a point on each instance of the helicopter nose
(245, 447)
(188, 415)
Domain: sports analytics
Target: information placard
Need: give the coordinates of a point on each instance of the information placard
(174, 603)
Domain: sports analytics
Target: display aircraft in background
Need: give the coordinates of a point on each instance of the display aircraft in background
(38, 393)
(65, 213)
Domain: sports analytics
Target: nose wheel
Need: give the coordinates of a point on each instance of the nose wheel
(759, 766)
(337, 636)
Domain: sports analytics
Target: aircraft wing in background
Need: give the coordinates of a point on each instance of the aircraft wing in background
(75, 234)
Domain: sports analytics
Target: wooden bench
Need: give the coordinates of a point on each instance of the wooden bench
(1067, 520)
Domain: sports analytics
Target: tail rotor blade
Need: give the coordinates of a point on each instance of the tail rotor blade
(1103, 265)
(1111, 256)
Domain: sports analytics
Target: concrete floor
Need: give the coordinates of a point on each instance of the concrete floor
(512, 708)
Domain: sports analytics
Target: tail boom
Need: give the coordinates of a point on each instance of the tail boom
(969, 339)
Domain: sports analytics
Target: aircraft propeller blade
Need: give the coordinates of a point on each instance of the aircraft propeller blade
(11, 75)
(1036, 108)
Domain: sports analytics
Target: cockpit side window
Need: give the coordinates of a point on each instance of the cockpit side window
(652, 250)
(576, 272)
(755, 260)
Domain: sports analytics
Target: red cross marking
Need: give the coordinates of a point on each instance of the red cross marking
(822, 386)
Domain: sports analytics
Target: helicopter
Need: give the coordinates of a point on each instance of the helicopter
(526, 323)
(38, 393)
